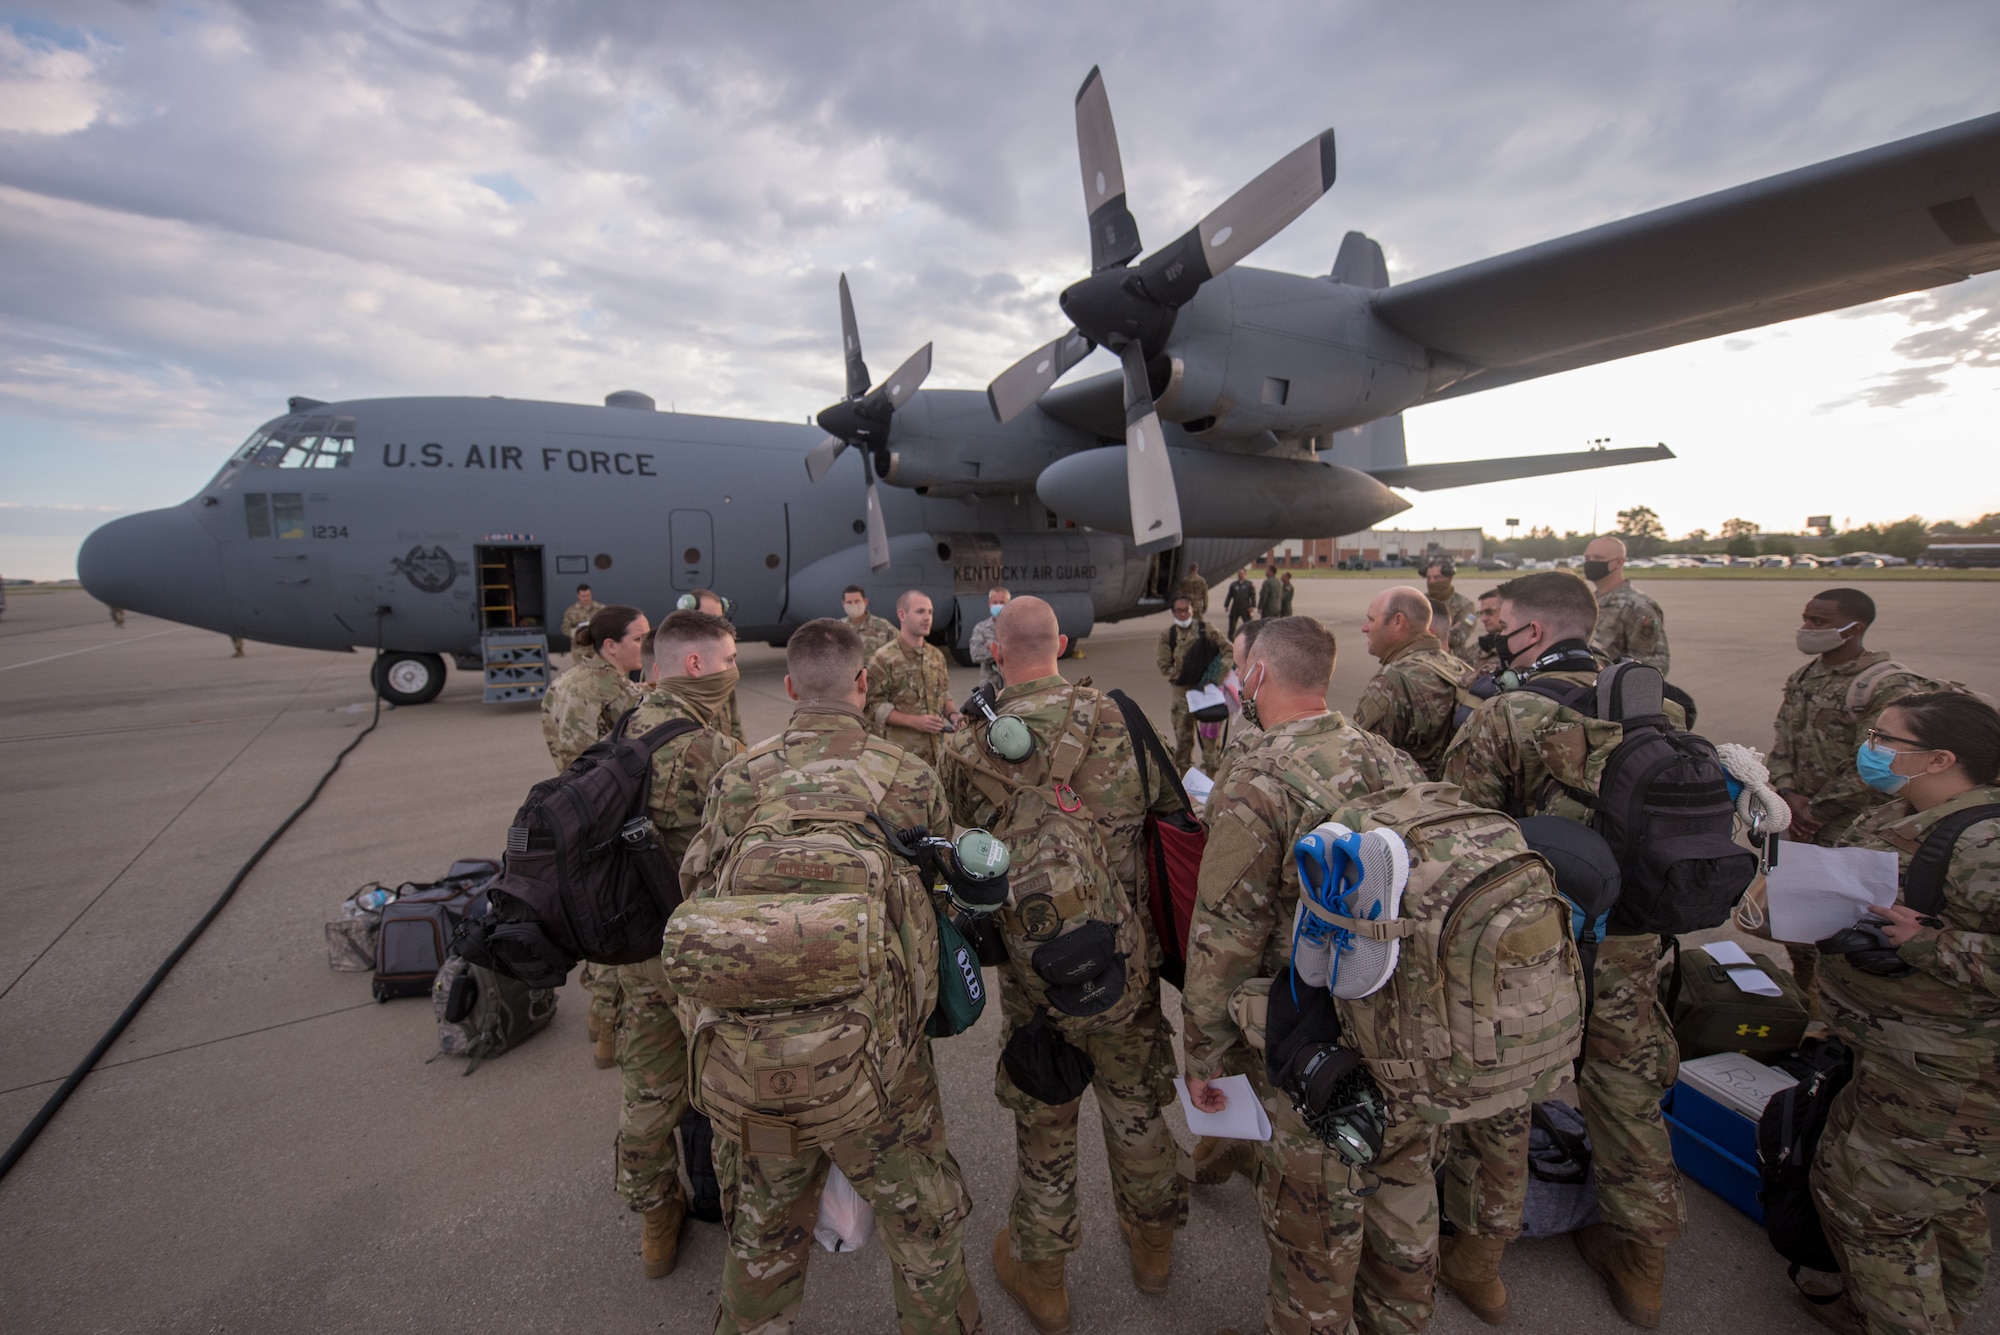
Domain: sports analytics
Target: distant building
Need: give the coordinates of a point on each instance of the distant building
(1379, 544)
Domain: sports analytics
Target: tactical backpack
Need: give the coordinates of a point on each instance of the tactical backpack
(1484, 1011)
(1788, 1136)
(813, 965)
(586, 876)
(1200, 656)
(482, 1014)
(1172, 844)
(1072, 934)
(1662, 803)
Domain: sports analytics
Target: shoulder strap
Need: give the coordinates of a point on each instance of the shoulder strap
(1568, 694)
(1862, 689)
(1923, 884)
(1146, 744)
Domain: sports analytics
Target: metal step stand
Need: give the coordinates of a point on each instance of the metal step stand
(516, 663)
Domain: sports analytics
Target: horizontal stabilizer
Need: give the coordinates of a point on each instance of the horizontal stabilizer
(1472, 472)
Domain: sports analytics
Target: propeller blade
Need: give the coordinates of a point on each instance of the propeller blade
(908, 378)
(878, 530)
(1018, 387)
(1245, 221)
(1114, 232)
(1149, 477)
(821, 456)
(850, 337)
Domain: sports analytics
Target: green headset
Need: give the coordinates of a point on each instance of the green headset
(1006, 736)
(691, 602)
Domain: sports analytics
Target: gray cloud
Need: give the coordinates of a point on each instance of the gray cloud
(1951, 328)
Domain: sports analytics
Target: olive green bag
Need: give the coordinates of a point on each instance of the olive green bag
(1712, 1014)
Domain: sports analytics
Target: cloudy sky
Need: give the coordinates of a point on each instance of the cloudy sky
(205, 208)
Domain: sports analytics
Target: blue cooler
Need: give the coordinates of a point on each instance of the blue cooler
(1712, 1113)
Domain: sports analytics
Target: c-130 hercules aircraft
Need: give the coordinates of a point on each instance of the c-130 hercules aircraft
(1252, 405)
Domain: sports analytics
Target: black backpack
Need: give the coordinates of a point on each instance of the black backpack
(586, 877)
(1787, 1139)
(1205, 650)
(1663, 805)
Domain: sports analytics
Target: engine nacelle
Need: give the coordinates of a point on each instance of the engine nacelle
(945, 443)
(1258, 351)
(1224, 495)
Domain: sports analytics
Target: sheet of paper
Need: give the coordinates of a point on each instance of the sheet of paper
(1743, 970)
(1206, 697)
(1243, 1119)
(1816, 891)
(1198, 785)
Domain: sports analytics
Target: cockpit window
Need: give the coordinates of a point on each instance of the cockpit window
(301, 442)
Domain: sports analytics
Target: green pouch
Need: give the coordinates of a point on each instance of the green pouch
(1711, 1014)
(961, 989)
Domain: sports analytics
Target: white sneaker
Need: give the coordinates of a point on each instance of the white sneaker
(1372, 869)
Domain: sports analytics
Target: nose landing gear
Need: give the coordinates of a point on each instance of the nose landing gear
(408, 679)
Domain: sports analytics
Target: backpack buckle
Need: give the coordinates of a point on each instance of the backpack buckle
(1066, 798)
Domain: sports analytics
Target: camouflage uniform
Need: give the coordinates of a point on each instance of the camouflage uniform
(1631, 625)
(910, 681)
(1411, 699)
(1170, 657)
(901, 1165)
(1333, 1254)
(980, 651)
(1813, 755)
(652, 1049)
(1516, 754)
(577, 615)
(580, 708)
(1913, 1144)
(1461, 615)
(1132, 1046)
(1195, 589)
(1270, 597)
(874, 632)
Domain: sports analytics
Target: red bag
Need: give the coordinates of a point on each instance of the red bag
(1173, 845)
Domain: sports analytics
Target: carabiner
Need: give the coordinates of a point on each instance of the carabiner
(1066, 798)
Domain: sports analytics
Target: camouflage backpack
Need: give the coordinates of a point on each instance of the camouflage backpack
(813, 964)
(482, 1014)
(1484, 1011)
(1060, 884)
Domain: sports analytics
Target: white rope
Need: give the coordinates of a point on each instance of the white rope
(1758, 804)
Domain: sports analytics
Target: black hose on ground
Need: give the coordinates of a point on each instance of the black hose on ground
(132, 1008)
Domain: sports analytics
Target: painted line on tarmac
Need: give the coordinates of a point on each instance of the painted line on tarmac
(202, 1043)
(108, 644)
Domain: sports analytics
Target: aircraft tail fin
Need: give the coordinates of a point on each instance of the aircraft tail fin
(1360, 262)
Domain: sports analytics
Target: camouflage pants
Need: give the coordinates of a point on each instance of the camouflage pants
(1486, 1174)
(1336, 1256)
(901, 1167)
(1629, 1061)
(1913, 1240)
(1805, 972)
(601, 981)
(1185, 737)
(652, 1055)
(1133, 1082)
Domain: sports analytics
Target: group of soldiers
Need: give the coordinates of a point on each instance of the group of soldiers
(875, 695)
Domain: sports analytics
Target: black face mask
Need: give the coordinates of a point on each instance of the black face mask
(1503, 643)
(1596, 570)
(1490, 644)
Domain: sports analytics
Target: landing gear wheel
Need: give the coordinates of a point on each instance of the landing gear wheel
(408, 679)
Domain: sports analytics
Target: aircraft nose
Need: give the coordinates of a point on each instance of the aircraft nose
(161, 563)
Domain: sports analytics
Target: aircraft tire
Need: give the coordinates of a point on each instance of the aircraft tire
(408, 679)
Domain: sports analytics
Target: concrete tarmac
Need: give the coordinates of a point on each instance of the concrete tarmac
(266, 1148)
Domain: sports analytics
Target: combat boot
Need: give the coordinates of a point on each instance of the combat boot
(1634, 1274)
(590, 1025)
(1470, 1268)
(605, 1056)
(1036, 1285)
(1217, 1160)
(1152, 1255)
(660, 1241)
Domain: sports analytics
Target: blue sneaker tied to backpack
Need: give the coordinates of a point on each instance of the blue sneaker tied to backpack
(1355, 876)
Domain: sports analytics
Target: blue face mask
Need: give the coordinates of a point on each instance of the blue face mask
(993, 609)
(1874, 761)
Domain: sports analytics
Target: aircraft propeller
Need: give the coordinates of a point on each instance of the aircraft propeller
(1131, 309)
(862, 420)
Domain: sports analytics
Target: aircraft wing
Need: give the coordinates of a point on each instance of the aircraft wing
(1473, 472)
(1899, 218)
